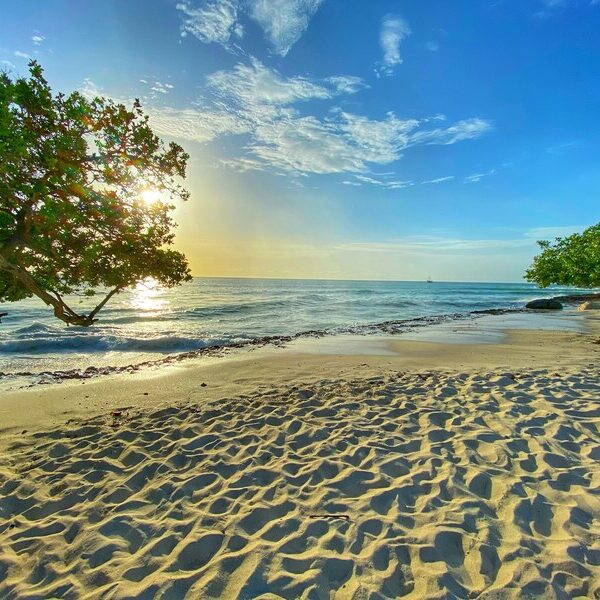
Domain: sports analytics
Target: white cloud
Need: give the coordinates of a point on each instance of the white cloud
(193, 124)
(478, 176)
(90, 90)
(438, 180)
(283, 21)
(342, 143)
(255, 84)
(392, 184)
(425, 244)
(211, 21)
(432, 46)
(394, 30)
(258, 101)
(158, 87)
(549, 233)
(295, 143)
(462, 130)
(564, 148)
(37, 39)
(380, 141)
(21, 54)
(243, 164)
(262, 104)
(474, 178)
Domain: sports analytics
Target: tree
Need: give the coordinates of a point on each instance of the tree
(75, 177)
(572, 260)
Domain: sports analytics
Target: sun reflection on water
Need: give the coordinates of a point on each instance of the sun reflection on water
(148, 295)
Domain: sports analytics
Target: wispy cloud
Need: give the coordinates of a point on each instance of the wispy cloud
(559, 3)
(433, 245)
(242, 164)
(158, 87)
(210, 21)
(195, 125)
(438, 180)
(396, 184)
(564, 147)
(254, 84)
(38, 39)
(467, 129)
(258, 101)
(283, 21)
(219, 21)
(548, 8)
(390, 184)
(341, 143)
(479, 176)
(549, 233)
(266, 107)
(21, 54)
(90, 89)
(394, 30)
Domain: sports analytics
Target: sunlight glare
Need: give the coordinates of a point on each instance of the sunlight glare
(148, 295)
(150, 196)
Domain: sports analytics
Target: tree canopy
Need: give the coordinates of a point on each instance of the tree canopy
(572, 260)
(75, 178)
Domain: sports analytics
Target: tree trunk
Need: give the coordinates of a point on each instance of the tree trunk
(62, 310)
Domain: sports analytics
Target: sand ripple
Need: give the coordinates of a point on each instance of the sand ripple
(434, 485)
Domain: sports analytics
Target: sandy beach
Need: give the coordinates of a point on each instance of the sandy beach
(299, 300)
(412, 468)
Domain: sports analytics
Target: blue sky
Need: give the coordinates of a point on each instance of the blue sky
(349, 138)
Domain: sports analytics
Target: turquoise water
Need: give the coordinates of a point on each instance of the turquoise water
(150, 322)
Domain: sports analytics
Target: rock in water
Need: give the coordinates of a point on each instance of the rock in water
(544, 304)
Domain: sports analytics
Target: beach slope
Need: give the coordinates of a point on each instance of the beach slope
(416, 483)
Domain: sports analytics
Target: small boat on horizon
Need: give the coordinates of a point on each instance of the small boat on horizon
(429, 280)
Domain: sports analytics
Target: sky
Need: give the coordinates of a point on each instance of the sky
(349, 139)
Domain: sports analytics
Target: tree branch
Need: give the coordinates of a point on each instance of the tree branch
(106, 299)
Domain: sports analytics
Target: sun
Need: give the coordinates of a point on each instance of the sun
(150, 196)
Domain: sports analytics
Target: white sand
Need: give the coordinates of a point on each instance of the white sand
(447, 483)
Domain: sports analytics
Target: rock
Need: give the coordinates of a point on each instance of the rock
(578, 298)
(544, 304)
(589, 306)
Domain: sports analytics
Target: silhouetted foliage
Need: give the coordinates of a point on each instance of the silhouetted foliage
(72, 217)
(572, 260)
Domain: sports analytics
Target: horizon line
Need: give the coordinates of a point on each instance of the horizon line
(357, 280)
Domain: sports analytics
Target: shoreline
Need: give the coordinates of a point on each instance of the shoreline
(482, 343)
(385, 327)
(390, 327)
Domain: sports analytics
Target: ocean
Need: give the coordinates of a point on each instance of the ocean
(150, 323)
